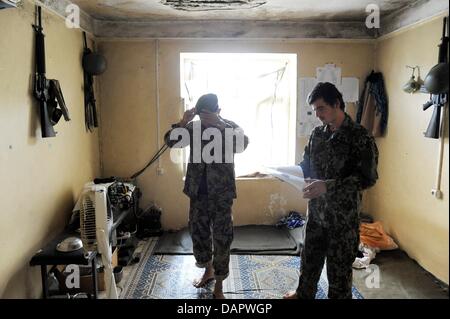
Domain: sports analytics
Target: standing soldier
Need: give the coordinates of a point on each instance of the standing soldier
(210, 185)
(339, 162)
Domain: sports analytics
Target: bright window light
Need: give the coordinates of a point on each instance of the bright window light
(255, 90)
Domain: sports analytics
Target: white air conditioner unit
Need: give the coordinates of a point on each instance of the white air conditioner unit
(96, 221)
(9, 3)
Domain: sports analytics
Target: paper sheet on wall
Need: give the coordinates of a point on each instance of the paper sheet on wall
(329, 73)
(289, 174)
(349, 89)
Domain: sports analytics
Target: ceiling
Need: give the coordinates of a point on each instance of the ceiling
(247, 19)
(297, 10)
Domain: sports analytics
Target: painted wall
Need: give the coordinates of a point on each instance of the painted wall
(129, 133)
(41, 178)
(408, 161)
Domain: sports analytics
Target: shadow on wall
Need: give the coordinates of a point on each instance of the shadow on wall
(26, 279)
(25, 282)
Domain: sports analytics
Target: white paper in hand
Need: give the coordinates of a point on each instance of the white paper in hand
(289, 174)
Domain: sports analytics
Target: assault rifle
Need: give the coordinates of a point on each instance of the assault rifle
(48, 92)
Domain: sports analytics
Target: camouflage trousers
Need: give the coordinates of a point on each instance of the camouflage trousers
(211, 229)
(337, 243)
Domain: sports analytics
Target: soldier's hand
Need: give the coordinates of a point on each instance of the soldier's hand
(187, 117)
(314, 188)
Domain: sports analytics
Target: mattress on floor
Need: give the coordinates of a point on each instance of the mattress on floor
(249, 239)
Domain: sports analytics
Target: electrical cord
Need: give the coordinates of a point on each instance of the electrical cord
(154, 159)
(237, 292)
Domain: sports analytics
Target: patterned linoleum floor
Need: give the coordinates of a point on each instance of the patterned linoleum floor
(251, 277)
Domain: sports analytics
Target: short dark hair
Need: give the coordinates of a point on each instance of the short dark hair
(328, 92)
(209, 102)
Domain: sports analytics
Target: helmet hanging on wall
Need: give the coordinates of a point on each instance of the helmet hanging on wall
(94, 63)
(436, 81)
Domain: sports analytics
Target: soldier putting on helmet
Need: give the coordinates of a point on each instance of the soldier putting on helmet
(210, 185)
(339, 162)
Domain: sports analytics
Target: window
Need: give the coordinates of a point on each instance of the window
(258, 92)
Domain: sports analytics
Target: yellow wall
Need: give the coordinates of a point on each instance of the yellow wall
(129, 117)
(401, 199)
(41, 178)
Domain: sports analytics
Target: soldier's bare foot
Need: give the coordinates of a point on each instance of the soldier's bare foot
(208, 275)
(291, 295)
(218, 295)
(218, 290)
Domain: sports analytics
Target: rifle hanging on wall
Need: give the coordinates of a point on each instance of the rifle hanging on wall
(48, 92)
(93, 64)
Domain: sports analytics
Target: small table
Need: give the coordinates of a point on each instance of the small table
(48, 255)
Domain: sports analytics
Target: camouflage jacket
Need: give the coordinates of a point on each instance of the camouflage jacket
(347, 161)
(220, 176)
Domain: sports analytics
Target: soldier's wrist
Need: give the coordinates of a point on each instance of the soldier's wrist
(182, 123)
(179, 124)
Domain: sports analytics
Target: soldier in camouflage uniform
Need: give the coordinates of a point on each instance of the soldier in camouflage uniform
(339, 162)
(211, 188)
